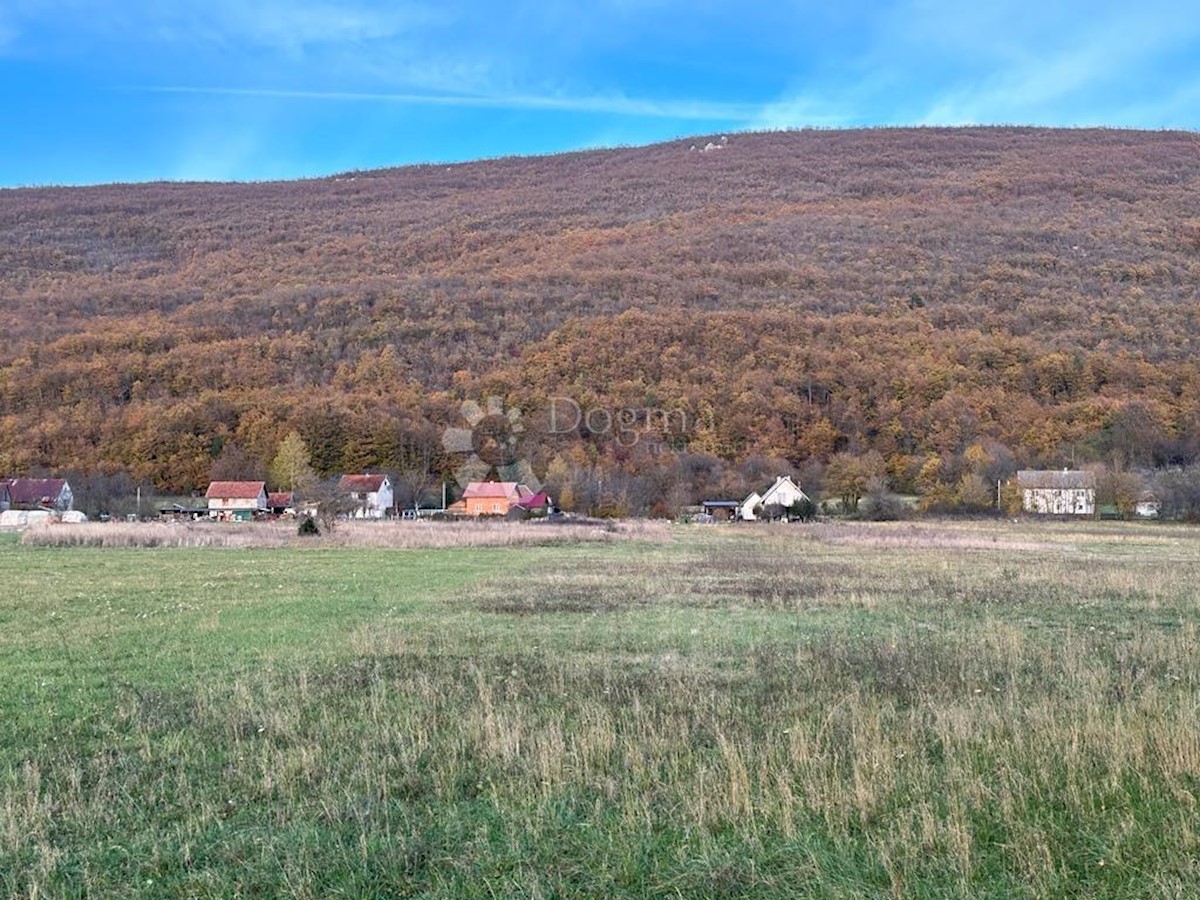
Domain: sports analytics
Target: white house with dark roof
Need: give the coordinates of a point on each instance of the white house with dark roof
(374, 494)
(1053, 492)
(784, 492)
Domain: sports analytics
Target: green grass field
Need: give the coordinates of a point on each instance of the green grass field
(936, 710)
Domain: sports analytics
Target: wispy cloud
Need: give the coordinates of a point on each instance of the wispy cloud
(1079, 77)
(616, 105)
(296, 27)
(944, 62)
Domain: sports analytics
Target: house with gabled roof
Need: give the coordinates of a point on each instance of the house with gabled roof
(1050, 492)
(37, 493)
(493, 498)
(373, 495)
(536, 504)
(236, 500)
(784, 493)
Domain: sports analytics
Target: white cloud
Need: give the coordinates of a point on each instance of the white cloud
(613, 104)
(293, 27)
(288, 27)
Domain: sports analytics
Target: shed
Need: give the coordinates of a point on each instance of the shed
(721, 510)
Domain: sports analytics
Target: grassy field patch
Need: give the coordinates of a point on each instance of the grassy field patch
(951, 710)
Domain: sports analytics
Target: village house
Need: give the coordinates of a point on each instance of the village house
(373, 494)
(236, 500)
(497, 498)
(535, 504)
(1148, 506)
(1050, 492)
(280, 503)
(784, 493)
(36, 493)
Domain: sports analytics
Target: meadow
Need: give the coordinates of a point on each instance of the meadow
(904, 709)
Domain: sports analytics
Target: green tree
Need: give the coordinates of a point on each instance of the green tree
(973, 493)
(291, 469)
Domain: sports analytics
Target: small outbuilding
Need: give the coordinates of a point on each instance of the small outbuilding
(721, 510)
(1147, 506)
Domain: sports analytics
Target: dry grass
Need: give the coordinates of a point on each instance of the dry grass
(382, 535)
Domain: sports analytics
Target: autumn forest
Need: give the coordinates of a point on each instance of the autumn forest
(937, 307)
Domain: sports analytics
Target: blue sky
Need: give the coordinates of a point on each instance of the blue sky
(139, 90)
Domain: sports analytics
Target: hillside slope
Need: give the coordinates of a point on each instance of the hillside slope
(916, 292)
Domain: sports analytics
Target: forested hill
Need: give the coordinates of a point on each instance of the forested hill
(1023, 295)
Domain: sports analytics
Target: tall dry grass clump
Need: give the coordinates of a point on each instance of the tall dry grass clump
(383, 535)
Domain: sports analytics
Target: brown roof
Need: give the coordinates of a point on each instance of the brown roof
(1056, 479)
(478, 490)
(35, 490)
(279, 498)
(361, 484)
(235, 490)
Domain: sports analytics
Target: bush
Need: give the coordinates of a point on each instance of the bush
(803, 509)
(308, 527)
(882, 508)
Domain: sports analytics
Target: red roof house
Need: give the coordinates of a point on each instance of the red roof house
(236, 499)
(38, 493)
